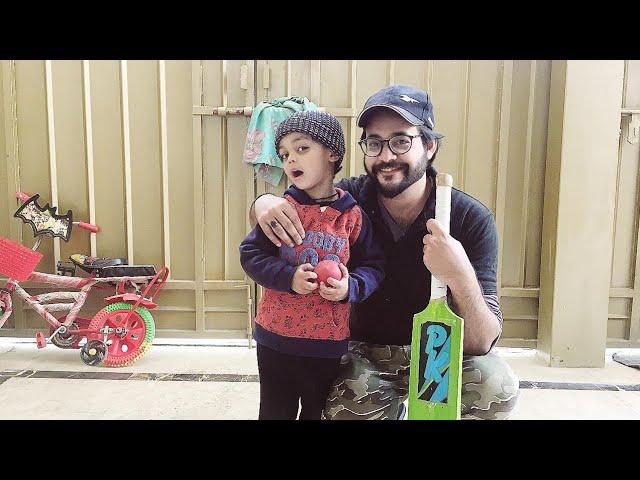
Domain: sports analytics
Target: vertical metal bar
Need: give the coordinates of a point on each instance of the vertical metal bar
(249, 315)
(13, 166)
(465, 128)
(225, 159)
(289, 80)
(391, 72)
(124, 79)
(315, 82)
(251, 99)
(615, 212)
(260, 184)
(52, 149)
(252, 87)
(527, 173)
(634, 324)
(88, 125)
(198, 196)
(620, 144)
(164, 150)
(352, 118)
(12, 144)
(430, 68)
(504, 112)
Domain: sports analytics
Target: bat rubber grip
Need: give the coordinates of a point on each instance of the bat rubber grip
(444, 181)
(88, 226)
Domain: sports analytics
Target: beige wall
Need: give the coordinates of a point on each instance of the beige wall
(140, 148)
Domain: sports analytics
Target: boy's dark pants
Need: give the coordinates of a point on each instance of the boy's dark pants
(286, 379)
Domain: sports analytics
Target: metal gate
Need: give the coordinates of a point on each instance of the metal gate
(624, 302)
(152, 152)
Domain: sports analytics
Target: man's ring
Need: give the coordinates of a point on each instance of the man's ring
(274, 223)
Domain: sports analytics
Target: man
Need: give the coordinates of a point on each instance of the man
(398, 193)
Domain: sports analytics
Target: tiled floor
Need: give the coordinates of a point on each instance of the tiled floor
(216, 382)
(555, 402)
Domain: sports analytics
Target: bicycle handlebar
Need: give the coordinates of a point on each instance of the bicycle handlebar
(88, 226)
(23, 197)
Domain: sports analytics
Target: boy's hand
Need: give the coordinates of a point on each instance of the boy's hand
(336, 290)
(304, 280)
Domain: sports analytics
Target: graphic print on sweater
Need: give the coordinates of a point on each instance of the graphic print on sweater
(329, 234)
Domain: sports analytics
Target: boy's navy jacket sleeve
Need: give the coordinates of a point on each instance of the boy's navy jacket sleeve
(366, 264)
(259, 258)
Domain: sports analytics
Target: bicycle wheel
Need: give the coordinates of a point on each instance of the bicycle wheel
(141, 330)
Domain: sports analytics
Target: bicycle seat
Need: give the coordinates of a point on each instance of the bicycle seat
(90, 264)
(127, 271)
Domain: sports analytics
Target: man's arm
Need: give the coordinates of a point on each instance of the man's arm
(279, 220)
(482, 326)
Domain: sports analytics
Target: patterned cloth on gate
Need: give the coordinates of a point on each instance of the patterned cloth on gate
(260, 147)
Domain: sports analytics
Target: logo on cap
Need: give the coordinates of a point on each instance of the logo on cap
(407, 98)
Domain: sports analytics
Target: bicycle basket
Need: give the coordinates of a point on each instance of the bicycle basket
(17, 261)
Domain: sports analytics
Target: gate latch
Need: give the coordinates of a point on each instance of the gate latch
(633, 135)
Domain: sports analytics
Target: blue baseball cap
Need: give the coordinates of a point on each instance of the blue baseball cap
(410, 103)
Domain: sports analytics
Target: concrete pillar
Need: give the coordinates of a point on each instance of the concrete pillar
(580, 182)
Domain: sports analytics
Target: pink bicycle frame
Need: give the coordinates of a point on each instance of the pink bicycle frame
(83, 284)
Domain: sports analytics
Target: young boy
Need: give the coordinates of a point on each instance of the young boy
(302, 328)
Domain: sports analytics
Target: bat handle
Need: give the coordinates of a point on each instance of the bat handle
(23, 197)
(444, 181)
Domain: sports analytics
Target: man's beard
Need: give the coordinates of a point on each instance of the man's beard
(411, 176)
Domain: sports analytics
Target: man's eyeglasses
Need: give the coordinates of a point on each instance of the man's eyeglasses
(372, 147)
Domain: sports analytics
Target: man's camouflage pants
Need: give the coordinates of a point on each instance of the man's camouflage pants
(374, 381)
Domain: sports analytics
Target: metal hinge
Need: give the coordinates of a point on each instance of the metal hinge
(633, 132)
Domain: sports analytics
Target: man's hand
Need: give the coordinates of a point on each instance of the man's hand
(336, 290)
(304, 280)
(278, 220)
(445, 257)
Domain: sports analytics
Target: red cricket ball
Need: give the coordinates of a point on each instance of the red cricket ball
(326, 269)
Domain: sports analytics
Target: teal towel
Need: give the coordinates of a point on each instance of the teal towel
(260, 149)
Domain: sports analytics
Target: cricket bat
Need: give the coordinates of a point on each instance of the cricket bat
(435, 375)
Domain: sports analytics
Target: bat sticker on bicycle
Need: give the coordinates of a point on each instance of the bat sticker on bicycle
(44, 220)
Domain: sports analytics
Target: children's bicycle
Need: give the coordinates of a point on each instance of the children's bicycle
(116, 336)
